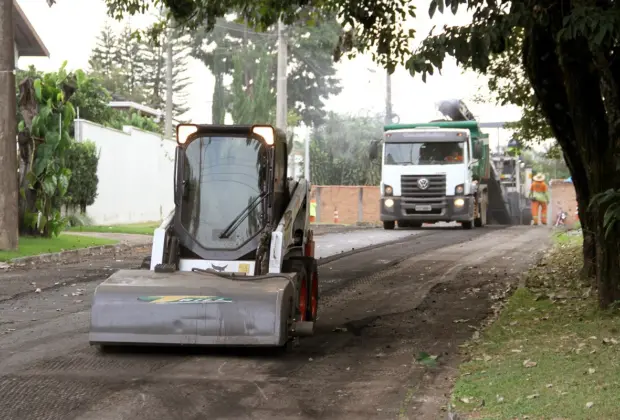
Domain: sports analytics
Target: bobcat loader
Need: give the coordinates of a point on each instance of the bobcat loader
(233, 264)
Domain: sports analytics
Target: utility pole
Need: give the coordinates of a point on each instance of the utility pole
(9, 216)
(388, 98)
(307, 159)
(281, 94)
(168, 123)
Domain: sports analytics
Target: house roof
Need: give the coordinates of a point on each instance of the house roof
(26, 38)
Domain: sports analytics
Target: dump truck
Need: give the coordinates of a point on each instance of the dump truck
(233, 264)
(441, 171)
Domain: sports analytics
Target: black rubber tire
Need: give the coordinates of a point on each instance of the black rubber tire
(146, 263)
(467, 225)
(389, 225)
(416, 225)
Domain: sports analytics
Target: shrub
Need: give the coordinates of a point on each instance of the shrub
(82, 160)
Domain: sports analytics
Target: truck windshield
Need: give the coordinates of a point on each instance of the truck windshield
(424, 153)
(224, 179)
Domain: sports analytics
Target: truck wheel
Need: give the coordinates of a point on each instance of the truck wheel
(389, 225)
(467, 225)
(416, 225)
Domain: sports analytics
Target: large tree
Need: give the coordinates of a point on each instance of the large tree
(339, 150)
(570, 55)
(312, 74)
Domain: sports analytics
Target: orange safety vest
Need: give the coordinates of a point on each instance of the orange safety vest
(454, 158)
(539, 191)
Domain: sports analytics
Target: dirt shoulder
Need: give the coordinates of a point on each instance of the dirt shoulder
(550, 354)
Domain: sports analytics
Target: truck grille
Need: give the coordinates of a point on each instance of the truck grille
(412, 195)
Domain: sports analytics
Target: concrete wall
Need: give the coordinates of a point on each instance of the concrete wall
(135, 174)
(353, 203)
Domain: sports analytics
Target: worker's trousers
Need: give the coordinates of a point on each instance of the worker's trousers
(539, 206)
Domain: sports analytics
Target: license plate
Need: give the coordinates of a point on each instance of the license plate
(423, 208)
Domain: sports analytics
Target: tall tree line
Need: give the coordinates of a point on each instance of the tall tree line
(233, 50)
(136, 70)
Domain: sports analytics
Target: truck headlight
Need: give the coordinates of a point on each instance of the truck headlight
(389, 203)
(388, 190)
(459, 189)
(459, 202)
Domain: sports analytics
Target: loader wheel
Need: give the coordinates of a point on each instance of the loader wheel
(389, 225)
(297, 265)
(313, 298)
(303, 297)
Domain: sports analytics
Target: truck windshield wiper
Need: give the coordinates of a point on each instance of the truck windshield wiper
(241, 217)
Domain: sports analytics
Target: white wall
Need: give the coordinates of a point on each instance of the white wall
(136, 170)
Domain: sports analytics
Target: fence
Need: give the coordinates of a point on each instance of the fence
(135, 174)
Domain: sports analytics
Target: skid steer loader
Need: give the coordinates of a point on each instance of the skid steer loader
(233, 264)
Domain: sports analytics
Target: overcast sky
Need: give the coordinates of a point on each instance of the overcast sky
(69, 30)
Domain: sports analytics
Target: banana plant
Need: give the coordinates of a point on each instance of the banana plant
(43, 137)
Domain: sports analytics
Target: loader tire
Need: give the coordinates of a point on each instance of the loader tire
(146, 263)
(298, 265)
(389, 225)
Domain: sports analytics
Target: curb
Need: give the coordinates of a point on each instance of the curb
(74, 254)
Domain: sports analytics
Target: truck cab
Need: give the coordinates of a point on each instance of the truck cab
(427, 176)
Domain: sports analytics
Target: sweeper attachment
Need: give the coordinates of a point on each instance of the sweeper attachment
(233, 264)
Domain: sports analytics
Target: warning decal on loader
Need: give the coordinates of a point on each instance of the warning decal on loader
(184, 299)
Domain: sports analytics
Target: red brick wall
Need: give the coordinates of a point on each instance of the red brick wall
(563, 197)
(346, 200)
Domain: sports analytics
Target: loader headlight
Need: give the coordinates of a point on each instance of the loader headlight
(460, 189)
(459, 202)
(389, 203)
(388, 190)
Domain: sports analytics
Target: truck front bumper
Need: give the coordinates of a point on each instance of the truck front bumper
(449, 211)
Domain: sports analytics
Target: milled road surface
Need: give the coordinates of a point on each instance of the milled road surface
(379, 309)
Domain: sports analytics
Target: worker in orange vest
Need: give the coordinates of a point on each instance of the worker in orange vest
(539, 194)
(455, 156)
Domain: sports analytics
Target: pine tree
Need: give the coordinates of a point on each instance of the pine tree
(105, 56)
(155, 73)
(131, 64)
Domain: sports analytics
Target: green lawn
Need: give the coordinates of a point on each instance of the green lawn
(34, 246)
(147, 228)
(551, 354)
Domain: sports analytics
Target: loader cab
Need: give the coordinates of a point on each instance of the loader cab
(230, 185)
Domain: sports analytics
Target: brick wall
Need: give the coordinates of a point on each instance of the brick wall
(353, 203)
(563, 197)
(353, 209)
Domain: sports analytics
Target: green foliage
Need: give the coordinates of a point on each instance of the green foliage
(509, 85)
(312, 74)
(119, 119)
(92, 99)
(339, 151)
(256, 102)
(82, 160)
(136, 69)
(44, 140)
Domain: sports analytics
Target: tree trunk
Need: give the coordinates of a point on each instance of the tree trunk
(568, 84)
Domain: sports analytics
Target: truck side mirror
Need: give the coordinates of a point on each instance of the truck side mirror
(373, 151)
(477, 150)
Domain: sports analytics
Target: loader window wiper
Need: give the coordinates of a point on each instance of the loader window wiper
(241, 217)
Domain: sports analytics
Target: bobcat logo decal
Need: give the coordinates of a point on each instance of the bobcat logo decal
(219, 268)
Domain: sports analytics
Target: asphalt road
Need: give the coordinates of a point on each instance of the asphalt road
(379, 308)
